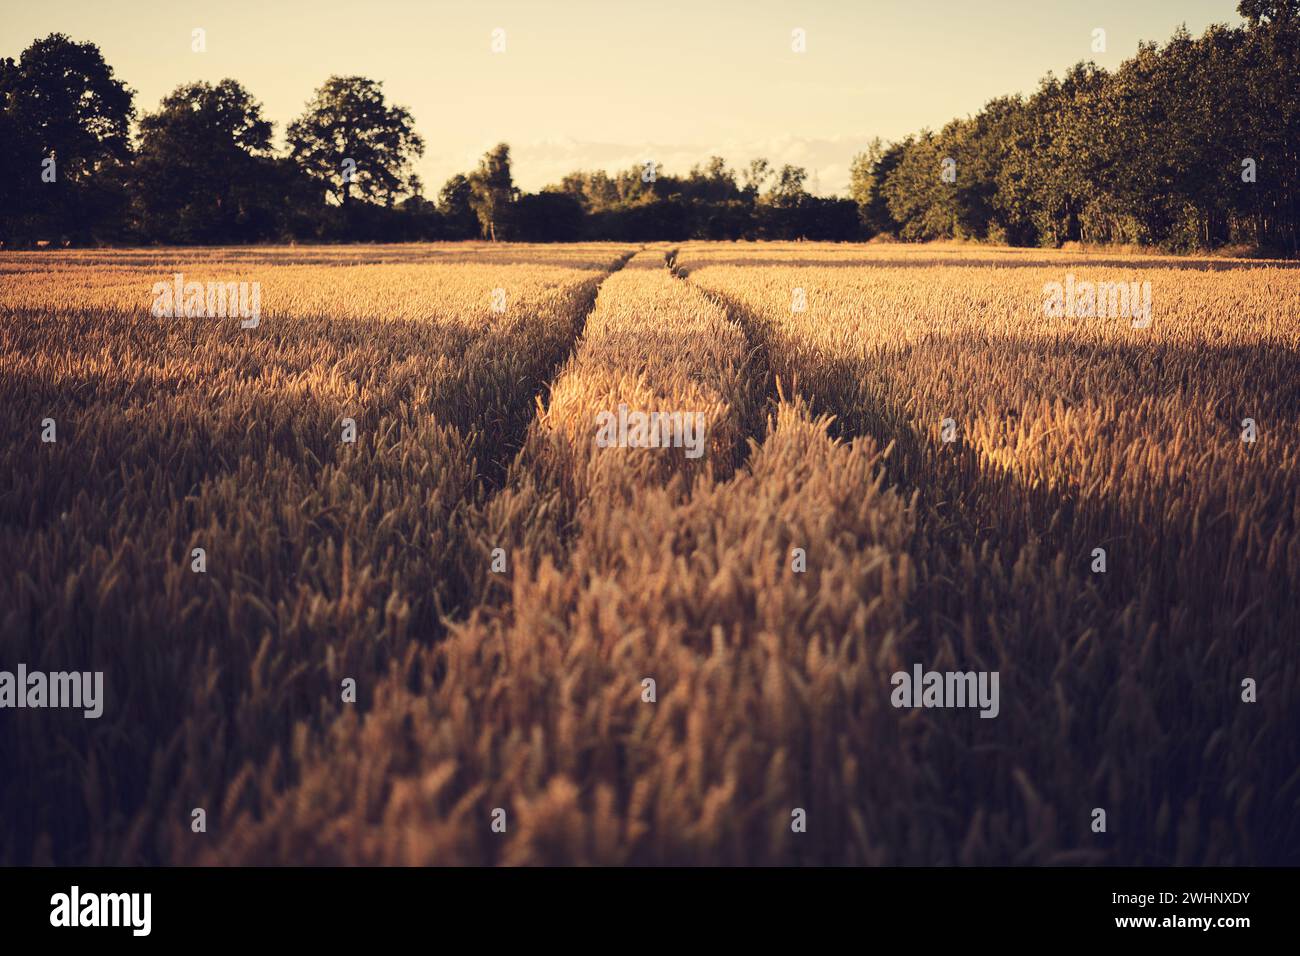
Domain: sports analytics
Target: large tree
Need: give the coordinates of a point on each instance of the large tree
(866, 180)
(787, 189)
(1270, 64)
(354, 143)
(711, 183)
(1270, 11)
(64, 135)
(493, 189)
(455, 204)
(205, 170)
(756, 175)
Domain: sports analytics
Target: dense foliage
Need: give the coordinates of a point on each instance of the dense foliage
(1190, 145)
(1195, 144)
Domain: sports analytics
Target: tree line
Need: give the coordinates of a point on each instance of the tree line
(1193, 145)
(202, 169)
(1189, 145)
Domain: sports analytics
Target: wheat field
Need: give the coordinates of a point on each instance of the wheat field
(566, 653)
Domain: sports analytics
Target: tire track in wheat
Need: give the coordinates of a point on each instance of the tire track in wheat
(546, 665)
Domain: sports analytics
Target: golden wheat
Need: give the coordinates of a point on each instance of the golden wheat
(523, 688)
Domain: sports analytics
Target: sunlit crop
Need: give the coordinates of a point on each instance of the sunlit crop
(640, 656)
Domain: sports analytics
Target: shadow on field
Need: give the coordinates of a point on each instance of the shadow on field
(1121, 691)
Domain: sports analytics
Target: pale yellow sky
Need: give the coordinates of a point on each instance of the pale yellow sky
(609, 83)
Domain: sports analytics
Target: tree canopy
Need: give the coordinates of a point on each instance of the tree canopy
(64, 137)
(1191, 144)
(353, 143)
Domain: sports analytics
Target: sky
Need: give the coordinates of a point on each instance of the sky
(609, 84)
